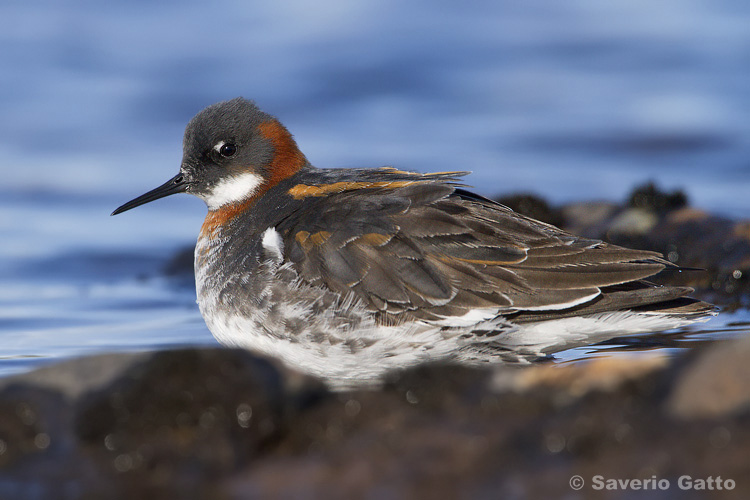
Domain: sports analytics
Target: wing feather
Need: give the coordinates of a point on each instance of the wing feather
(424, 249)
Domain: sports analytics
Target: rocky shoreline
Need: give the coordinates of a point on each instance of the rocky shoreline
(220, 423)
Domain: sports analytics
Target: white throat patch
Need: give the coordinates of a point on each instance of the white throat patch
(233, 189)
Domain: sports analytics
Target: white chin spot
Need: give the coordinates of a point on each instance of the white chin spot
(233, 189)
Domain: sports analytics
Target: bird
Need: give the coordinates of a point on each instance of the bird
(350, 274)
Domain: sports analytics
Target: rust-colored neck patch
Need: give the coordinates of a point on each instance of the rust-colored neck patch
(303, 190)
(287, 160)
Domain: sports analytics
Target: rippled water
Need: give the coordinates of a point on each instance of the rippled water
(572, 100)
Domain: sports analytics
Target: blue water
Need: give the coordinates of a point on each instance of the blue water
(571, 100)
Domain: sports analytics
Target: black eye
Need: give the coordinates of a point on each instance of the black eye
(227, 149)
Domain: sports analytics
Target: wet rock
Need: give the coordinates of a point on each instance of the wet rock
(157, 425)
(711, 244)
(716, 384)
(190, 415)
(29, 422)
(650, 198)
(716, 248)
(217, 423)
(447, 432)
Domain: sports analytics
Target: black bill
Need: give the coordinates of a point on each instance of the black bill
(177, 184)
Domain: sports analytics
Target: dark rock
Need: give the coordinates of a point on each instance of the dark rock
(39, 455)
(447, 432)
(714, 251)
(30, 422)
(532, 206)
(716, 248)
(649, 197)
(184, 416)
(181, 263)
(218, 423)
(144, 425)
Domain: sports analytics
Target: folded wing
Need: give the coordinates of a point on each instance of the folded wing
(426, 249)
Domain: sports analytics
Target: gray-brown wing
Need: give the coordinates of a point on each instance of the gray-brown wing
(427, 250)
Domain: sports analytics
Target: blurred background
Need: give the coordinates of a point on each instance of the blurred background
(572, 100)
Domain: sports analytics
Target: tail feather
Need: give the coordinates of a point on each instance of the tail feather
(639, 296)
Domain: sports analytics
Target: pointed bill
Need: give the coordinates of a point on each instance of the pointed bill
(177, 184)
